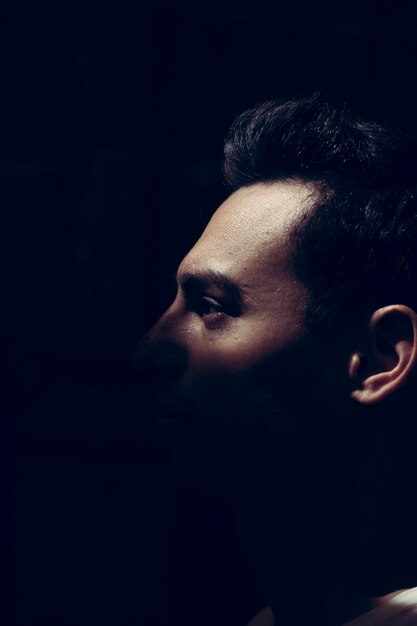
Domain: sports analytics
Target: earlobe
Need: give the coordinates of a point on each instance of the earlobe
(391, 355)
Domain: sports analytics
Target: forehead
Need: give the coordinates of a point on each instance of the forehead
(251, 225)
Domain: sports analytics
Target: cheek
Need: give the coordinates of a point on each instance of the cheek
(240, 345)
(226, 355)
(250, 383)
(231, 380)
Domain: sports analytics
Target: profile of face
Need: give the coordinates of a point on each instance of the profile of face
(231, 358)
(293, 425)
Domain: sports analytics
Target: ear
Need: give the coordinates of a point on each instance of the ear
(390, 357)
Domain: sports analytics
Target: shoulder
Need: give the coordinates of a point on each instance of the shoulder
(263, 618)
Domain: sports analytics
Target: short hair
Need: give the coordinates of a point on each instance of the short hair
(356, 249)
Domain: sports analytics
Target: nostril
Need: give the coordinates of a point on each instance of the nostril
(161, 363)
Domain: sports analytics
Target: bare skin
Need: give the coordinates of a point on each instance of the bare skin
(244, 242)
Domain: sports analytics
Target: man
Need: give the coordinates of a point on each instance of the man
(289, 360)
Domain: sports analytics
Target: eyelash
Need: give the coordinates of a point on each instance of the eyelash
(211, 303)
(203, 304)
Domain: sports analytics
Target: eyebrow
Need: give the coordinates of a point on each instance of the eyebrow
(194, 281)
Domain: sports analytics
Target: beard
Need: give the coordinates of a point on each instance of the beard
(254, 438)
(267, 443)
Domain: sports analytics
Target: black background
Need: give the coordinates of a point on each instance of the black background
(112, 122)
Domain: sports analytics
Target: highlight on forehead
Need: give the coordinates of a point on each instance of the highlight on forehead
(246, 241)
(275, 204)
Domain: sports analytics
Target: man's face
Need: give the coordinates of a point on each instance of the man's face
(231, 354)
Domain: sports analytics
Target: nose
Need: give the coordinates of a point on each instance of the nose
(160, 364)
(159, 360)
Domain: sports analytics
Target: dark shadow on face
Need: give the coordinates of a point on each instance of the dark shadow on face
(234, 376)
(230, 358)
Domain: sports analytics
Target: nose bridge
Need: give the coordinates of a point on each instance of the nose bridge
(161, 356)
(167, 328)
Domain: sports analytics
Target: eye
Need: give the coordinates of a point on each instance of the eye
(210, 306)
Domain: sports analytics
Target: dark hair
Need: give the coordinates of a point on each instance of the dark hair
(357, 248)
